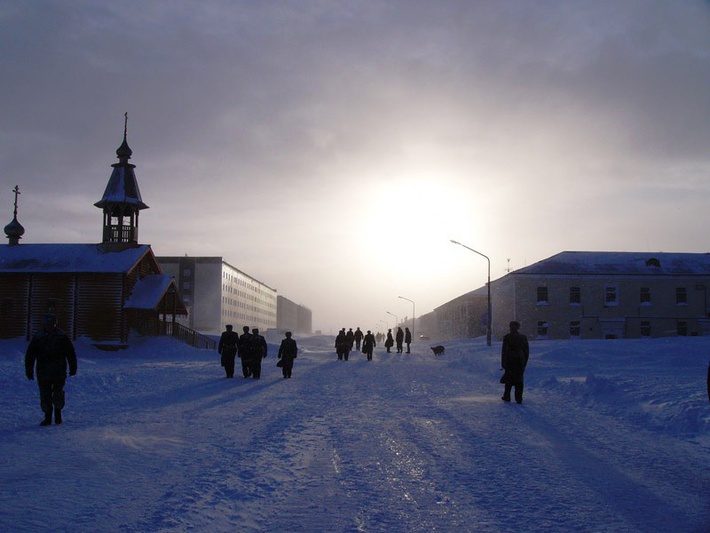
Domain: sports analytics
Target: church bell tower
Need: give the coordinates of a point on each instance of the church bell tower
(121, 202)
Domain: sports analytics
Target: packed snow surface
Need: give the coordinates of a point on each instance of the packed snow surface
(612, 437)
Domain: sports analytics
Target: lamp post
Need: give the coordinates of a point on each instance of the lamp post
(413, 313)
(396, 320)
(489, 325)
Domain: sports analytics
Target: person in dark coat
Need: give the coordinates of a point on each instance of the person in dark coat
(342, 345)
(400, 340)
(390, 340)
(259, 351)
(287, 353)
(514, 359)
(227, 348)
(52, 351)
(358, 338)
(407, 338)
(244, 351)
(368, 344)
(350, 336)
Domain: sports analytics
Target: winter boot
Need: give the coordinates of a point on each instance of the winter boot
(57, 415)
(47, 419)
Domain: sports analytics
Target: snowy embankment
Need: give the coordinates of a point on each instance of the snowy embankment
(612, 436)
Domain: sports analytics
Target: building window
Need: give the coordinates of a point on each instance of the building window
(645, 296)
(645, 328)
(575, 296)
(542, 330)
(610, 296)
(682, 328)
(575, 328)
(542, 298)
(681, 296)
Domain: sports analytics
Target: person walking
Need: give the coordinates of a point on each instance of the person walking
(407, 338)
(400, 340)
(51, 351)
(259, 350)
(358, 338)
(244, 351)
(288, 351)
(342, 348)
(389, 342)
(227, 348)
(368, 344)
(514, 359)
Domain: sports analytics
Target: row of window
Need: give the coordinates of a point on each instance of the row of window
(575, 329)
(611, 296)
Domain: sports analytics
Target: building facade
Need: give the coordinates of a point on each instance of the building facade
(293, 317)
(589, 295)
(216, 294)
(606, 295)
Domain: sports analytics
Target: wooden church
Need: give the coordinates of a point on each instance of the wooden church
(99, 291)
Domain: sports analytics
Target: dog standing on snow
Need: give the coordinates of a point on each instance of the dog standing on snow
(438, 350)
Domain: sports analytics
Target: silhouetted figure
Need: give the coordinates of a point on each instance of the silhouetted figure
(287, 353)
(514, 359)
(52, 351)
(400, 340)
(244, 351)
(407, 338)
(227, 348)
(358, 338)
(350, 336)
(390, 341)
(259, 351)
(342, 346)
(368, 344)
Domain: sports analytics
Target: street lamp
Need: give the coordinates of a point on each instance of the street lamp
(489, 325)
(396, 320)
(413, 312)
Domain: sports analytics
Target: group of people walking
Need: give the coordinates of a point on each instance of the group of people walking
(251, 348)
(401, 338)
(345, 340)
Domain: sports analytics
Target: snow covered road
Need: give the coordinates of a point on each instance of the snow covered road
(155, 439)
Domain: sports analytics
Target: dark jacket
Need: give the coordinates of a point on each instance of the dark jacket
(400, 336)
(244, 345)
(515, 354)
(368, 342)
(228, 343)
(52, 351)
(259, 347)
(288, 351)
(408, 337)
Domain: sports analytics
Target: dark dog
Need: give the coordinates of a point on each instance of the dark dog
(438, 350)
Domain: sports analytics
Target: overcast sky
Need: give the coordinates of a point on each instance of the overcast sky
(331, 149)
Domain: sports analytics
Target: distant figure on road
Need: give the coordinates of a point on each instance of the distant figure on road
(52, 350)
(514, 359)
(287, 353)
(227, 348)
(400, 340)
(259, 350)
(390, 340)
(350, 335)
(368, 345)
(358, 338)
(342, 346)
(244, 351)
(407, 338)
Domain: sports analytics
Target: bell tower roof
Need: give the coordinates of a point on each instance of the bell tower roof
(121, 202)
(122, 187)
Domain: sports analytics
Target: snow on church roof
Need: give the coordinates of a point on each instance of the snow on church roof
(68, 258)
(622, 264)
(148, 291)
